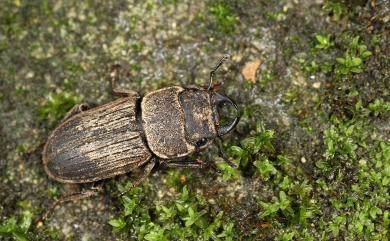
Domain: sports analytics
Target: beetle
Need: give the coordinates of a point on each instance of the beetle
(165, 126)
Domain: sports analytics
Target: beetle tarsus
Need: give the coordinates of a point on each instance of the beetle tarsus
(147, 169)
(69, 197)
(185, 164)
(75, 110)
(114, 75)
(229, 162)
(31, 151)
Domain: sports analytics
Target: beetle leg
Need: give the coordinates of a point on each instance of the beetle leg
(222, 155)
(70, 197)
(75, 110)
(115, 90)
(229, 162)
(185, 164)
(146, 171)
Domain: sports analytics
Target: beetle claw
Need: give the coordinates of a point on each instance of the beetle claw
(229, 162)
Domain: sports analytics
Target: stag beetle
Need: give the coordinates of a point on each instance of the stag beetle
(164, 126)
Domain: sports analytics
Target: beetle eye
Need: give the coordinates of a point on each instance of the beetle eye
(201, 142)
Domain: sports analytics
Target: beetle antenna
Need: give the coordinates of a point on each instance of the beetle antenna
(221, 61)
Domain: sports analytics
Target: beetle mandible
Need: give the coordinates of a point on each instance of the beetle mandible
(164, 126)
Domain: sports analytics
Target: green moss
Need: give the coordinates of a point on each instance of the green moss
(257, 146)
(137, 47)
(275, 16)
(266, 78)
(323, 41)
(227, 19)
(291, 96)
(340, 139)
(336, 8)
(362, 192)
(379, 107)
(228, 172)
(352, 61)
(168, 2)
(187, 217)
(351, 178)
(18, 227)
(56, 106)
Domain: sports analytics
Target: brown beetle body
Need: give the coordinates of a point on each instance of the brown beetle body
(164, 126)
(120, 136)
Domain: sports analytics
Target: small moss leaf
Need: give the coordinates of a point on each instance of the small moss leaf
(117, 223)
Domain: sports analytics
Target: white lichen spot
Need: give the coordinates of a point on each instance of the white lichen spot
(317, 85)
(303, 159)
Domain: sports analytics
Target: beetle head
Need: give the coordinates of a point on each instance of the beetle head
(202, 116)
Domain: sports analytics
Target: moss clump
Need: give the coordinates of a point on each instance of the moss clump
(226, 18)
(186, 217)
(344, 195)
(57, 104)
(18, 227)
(352, 61)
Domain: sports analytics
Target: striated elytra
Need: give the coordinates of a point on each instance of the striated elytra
(164, 126)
